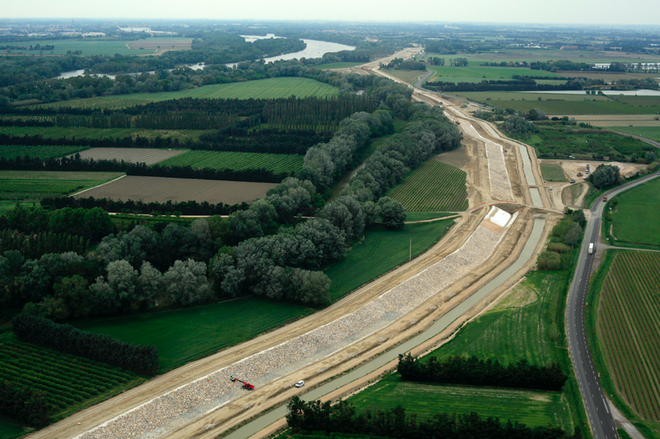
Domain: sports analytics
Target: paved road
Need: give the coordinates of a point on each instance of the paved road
(598, 411)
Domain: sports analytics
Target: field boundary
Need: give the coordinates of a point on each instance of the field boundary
(102, 184)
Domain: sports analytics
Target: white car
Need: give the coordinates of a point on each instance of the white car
(300, 383)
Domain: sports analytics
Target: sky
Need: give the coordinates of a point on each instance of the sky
(642, 12)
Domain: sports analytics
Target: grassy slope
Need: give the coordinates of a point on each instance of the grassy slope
(186, 334)
(635, 218)
(10, 430)
(650, 429)
(552, 172)
(528, 324)
(278, 163)
(652, 133)
(381, 251)
(529, 407)
(99, 133)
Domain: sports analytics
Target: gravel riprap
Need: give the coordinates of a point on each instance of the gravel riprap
(500, 185)
(158, 416)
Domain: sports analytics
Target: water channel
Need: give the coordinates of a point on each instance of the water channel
(264, 421)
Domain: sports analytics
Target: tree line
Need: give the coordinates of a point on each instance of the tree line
(563, 238)
(34, 246)
(91, 223)
(98, 347)
(342, 417)
(400, 64)
(501, 85)
(478, 372)
(191, 207)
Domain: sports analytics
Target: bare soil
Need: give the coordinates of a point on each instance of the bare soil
(162, 189)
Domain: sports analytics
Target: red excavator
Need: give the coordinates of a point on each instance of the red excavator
(246, 385)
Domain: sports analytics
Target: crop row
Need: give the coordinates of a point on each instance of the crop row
(29, 117)
(277, 163)
(67, 361)
(435, 186)
(42, 151)
(629, 319)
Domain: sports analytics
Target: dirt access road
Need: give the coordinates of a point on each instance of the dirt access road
(280, 390)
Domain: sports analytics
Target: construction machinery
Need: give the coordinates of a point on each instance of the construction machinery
(246, 385)
(456, 121)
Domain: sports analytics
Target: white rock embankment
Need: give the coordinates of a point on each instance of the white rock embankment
(190, 401)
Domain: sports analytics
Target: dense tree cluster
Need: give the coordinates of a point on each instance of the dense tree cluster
(517, 124)
(401, 64)
(90, 223)
(24, 405)
(604, 176)
(564, 237)
(474, 371)
(97, 347)
(342, 417)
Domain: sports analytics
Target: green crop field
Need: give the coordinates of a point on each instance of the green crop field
(90, 46)
(34, 185)
(556, 104)
(623, 334)
(552, 172)
(42, 151)
(277, 163)
(529, 407)
(635, 217)
(553, 141)
(186, 334)
(379, 252)
(99, 133)
(443, 73)
(531, 55)
(652, 133)
(69, 383)
(434, 186)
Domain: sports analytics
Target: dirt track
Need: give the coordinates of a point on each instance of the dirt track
(279, 391)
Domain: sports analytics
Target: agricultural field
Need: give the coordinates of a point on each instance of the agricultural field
(161, 45)
(552, 172)
(69, 383)
(89, 46)
(42, 151)
(381, 251)
(635, 218)
(131, 155)
(163, 189)
(626, 324)
(478, 73)
(277, 163)
(409, 76)
(552, 142)
(187, 334)
(556, 104)
(99, 133)
(339, 65)
(34, 185)
(434, 186)
(652, 133)
(532, 408)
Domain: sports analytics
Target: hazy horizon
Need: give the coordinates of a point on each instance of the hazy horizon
(559, 12)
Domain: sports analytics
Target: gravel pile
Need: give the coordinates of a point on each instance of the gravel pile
(500, 185)
(190, 401)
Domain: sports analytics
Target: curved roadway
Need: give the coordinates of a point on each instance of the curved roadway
(600, 418)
